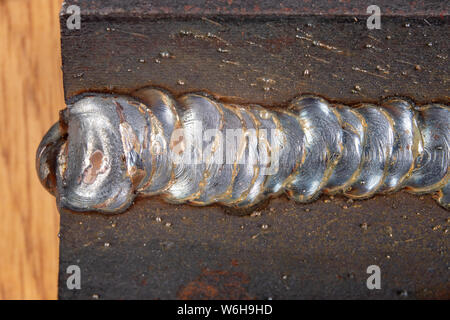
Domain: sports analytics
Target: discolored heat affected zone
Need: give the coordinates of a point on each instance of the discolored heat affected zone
(131, 150)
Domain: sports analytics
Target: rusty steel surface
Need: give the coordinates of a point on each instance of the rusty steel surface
(338, 58)
(244, 8)
(282, 250)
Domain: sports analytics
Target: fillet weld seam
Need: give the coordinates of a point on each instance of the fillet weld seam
(107, 149)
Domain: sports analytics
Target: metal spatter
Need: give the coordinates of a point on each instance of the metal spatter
(107, 149)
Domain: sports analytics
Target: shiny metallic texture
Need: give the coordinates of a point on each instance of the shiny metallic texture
(107, 149)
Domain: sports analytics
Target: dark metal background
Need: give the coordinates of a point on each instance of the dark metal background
(284, 250)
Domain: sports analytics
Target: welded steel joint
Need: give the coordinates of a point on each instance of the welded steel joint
(107, 149)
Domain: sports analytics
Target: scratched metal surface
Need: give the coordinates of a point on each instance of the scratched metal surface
(237, 59)
(284, 250)
(183, 8)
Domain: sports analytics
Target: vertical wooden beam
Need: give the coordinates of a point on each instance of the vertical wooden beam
(30, 96)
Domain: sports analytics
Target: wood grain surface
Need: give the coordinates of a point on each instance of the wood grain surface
(30, 96)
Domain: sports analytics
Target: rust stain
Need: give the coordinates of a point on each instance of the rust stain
(216, 284)
(94, 169)
(119, 110)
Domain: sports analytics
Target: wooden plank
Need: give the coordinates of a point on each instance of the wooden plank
(30, 96)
